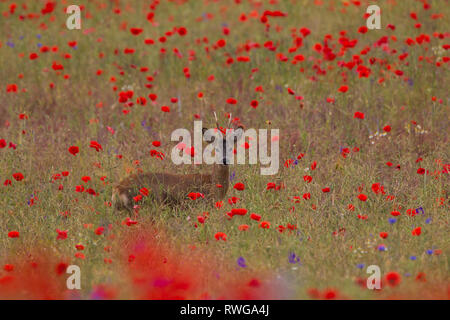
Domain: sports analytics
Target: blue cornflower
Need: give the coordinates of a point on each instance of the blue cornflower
(381, 247)
(360, 265)
(293, 258)
(420, 210)
(430, 251)
(241, 262)
(428, 221)
(413, 258)
(392, 220)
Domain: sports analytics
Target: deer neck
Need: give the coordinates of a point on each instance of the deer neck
(220, 176)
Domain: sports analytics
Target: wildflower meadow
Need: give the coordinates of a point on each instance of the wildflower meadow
(357, 117)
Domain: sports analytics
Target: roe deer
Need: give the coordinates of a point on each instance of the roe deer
(174, 188)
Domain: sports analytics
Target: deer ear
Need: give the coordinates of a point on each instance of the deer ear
(238, 133)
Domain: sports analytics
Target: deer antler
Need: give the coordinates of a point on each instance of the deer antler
(217, 122)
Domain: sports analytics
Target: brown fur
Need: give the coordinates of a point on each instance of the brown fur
(172, 188)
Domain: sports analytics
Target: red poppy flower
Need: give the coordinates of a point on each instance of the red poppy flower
(91, 192)
(144, 192)
(271, 185)
(11, 87)
(254, 104)
(231, 101)
(255, 216)
(243, 227)
(18, 176)
(362, 197)
(13, 234)
(99, 230)
(220, 236)
(130, 222)
(62, 234)
(61, 268)
(74, 150)
(136, 31)
(79, 255)
(363, 29)
(239, 186)
(383, 235)
(393, 279)
(343, 89)
(417, 231)
(421, 171)
(330, 294)
(421, 277)
(358, 115)
(377, 188)
(195, 195)
(97, 146)
(182, 31)
(264, 225)
(8, 267)
(201, 219)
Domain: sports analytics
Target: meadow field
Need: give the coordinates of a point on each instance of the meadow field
(363, 119)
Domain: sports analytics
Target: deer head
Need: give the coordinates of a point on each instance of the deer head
(224, 140)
